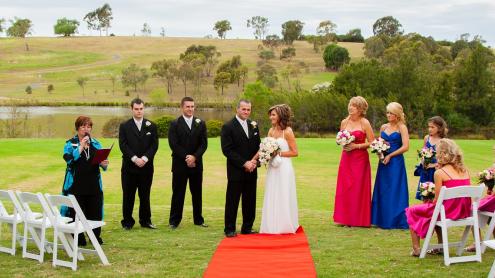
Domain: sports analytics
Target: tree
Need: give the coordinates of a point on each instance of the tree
(387, 26)
(162, 32)
(134, 75)
(185, 72)
(197, 62)
(260, 26)
(222, 80)
(222, 27)
(50, 88)
(146, 31)
(292, 30)
(166, 70)
(2, 21)
(21, 27)
(335, 56)
(266, 55)
(272, 41)
(99, 19)
(29, 90)
(354, 35)
(288, 53)
(374, 47)
(113, 79)
(66, 27)
(81, 81)
(243, 74)
(326, 28)
(209, 52)
(268, 75)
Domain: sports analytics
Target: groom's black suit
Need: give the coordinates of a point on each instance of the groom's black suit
(239, 149)
(184, 141)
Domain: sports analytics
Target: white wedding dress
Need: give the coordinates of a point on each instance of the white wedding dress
(279, 214)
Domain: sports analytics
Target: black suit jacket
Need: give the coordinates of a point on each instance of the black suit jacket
(238, 148)
(184, 141)
(133, 142)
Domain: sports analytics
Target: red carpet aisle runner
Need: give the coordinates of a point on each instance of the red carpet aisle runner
(262, 255)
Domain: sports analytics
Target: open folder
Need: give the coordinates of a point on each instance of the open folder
(101, 155)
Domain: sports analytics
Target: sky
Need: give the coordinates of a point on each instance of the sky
(442, 19)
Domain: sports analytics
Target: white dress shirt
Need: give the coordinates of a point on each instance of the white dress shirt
(244, 125)
(188, 121)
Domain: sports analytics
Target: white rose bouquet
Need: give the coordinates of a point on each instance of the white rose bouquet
(426, 155)
(344, 137)
(427, 191)
(487, 177)
(380, 147)
(268, 149)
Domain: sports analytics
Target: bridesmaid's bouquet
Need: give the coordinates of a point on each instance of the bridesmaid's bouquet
(487, 177)
(426, 155)
(344, 137)
(427, 191)
(268, 149)
(380, 147)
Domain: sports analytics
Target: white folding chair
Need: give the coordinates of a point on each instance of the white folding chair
(483, 220)
(34, 226)
(80, 225)
(473, 192)
(491, 244)
(12, 219)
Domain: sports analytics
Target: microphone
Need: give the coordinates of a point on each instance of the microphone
(89, 136)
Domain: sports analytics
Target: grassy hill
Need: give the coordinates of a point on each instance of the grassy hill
(60, 61)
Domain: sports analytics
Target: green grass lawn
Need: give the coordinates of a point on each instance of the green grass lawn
(36, 165)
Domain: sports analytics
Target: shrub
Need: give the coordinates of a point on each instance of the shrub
(29, 90)
(111, 127)
(335, 56)
(50, 88)
(163, 125)
(214, 128)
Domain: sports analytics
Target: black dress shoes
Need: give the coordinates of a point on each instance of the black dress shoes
(249, 232)
(172, 226)
(230, 234)
(204, 225)
(148, 225)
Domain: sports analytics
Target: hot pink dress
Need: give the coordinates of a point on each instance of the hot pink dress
(353, 194)
(487, 203)
(419, 216)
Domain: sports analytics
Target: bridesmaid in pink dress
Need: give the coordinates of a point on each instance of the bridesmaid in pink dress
(451, 173)
(353, 194)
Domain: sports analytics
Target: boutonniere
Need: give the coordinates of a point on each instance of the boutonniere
(148, 123)
(254, 124)
(198, 121)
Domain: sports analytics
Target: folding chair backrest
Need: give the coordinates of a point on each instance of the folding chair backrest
(474, 192)
(26, 199)
(59, 200)
(4, 195)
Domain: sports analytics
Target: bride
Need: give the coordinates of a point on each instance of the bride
(279, 214)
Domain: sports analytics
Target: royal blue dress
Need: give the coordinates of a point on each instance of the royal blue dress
(425, 174)
(390, 195)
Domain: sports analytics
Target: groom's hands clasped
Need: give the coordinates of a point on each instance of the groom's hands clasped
(250, 165)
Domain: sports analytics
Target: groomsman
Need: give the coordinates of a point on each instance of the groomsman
(240, 144)
(188, 141)
(138, 142)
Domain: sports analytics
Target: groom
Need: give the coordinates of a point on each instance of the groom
(240, 144)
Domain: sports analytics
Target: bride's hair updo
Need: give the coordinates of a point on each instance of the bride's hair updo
(284, 114)
(449, 153)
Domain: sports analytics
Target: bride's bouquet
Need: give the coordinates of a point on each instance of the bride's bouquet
(426, 155)
(427, 191)
(380, 147)
(487, 177)
(268, 149)
(344, 137)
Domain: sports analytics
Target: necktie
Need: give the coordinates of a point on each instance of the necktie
(245, 127)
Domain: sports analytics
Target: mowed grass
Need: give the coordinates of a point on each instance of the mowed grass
(36, 165)
(60, 61)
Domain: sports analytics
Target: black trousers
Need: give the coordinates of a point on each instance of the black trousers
(236, 189)
(130, 183)
(92, 207)
(179, 184)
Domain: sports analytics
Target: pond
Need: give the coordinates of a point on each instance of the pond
(58, 122)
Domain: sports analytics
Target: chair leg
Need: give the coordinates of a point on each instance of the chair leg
(24, 241)
(460, 247)
(445, 239)
(14, 236)
(477, 241)
(492, 271)
(75, 250)
(426, 245)
(55, 247)
(97, 247)
(488, 232)
(42, 249)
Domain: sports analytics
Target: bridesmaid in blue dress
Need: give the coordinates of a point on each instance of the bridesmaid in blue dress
(437, 129)
(390, 195)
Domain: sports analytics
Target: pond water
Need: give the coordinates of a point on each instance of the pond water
(58, 122)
